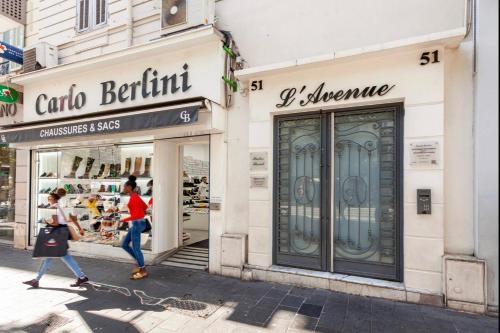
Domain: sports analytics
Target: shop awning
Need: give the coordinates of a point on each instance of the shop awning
(111, 124)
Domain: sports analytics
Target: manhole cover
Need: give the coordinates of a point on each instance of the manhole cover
(47, 324)
(190, 307)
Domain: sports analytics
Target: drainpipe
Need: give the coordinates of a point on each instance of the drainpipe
(130, 23)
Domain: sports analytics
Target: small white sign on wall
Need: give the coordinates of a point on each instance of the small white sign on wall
(424, 154)
(258, 161)
(258, 181)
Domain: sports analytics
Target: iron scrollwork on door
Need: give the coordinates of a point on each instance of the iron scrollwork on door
(364, 200)
(298, 232)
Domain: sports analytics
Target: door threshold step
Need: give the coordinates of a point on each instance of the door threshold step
(189, 257)
(195, 249)
(199, 255)
(187, 261)
(178, 264)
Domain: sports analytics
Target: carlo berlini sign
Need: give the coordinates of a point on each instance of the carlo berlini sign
(305, 96)
(150, 85)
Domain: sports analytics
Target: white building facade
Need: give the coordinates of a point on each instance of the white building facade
(344, 161)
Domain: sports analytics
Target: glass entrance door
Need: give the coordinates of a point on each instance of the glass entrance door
(366, 228)
(337, 192)
(299, 225)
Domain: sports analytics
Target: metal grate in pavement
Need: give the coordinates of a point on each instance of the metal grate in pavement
(46, 324)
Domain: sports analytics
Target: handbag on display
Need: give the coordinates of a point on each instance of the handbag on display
(52, 242)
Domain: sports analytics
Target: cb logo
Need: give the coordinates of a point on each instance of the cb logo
(185, 116)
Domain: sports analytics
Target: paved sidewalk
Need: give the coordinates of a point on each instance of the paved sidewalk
(178, 300)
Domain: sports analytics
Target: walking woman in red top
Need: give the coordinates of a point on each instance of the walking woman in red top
(137, 224)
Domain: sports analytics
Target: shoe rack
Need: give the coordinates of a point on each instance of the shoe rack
(93, 180)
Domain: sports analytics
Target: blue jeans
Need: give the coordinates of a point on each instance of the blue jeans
(67, 259)
(134, 236)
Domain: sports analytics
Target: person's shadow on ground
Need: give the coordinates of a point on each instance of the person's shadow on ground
(97, 297)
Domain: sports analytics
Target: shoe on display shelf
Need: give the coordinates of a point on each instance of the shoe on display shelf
(137, 166)
(100, 173)
(105, 174)
(74, 167)
(147, 168)
(128, 164)
(88, 167)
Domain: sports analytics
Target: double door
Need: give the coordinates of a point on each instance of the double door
(338, 192)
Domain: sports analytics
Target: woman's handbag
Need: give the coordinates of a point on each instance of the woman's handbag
(148, 226)
(52, 242)
(53, 221)
(74, 233)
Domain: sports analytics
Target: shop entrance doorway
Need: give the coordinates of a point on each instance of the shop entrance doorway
(194, 213)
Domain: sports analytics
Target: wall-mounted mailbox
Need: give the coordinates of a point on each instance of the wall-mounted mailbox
(424, 201)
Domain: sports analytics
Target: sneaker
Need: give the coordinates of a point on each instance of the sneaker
(33, 283)
(80, 281)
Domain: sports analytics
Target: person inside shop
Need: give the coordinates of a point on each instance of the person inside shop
(137, 224)
(62, 222)
(203, 188)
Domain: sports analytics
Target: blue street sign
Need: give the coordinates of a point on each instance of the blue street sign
(11, 53)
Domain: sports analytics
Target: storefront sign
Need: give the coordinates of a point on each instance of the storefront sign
(307, 96)
(258, 181)
(258, 161)
(11, 53)
(151, 78)
(8, 110)
(8, 95)
(150, 86)
(424, 154)
(135, 122)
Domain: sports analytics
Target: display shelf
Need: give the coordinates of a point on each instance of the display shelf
(138, 178)
(74, 180)
(48, 178)
(106, 180)
(107, 194)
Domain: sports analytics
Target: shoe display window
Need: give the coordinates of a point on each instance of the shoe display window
(93, 179)
(7, 193)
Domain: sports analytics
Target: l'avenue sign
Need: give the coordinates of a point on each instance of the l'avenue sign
(150, 85)
(305, 95)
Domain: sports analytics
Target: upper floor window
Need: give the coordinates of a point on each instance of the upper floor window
(91, 14)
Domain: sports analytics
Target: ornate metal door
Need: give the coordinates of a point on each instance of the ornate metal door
(299, 225)
(366, 213)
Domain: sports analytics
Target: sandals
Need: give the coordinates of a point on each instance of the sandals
(141, 274)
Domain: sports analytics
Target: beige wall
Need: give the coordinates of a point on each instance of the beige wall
(283, 29)
(459, 232)
(422, 89)
(293, 29)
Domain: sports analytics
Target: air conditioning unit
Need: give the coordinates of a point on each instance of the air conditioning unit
(177, 15)
(38, 56)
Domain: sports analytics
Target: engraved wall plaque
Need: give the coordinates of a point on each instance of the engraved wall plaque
(258, 181)
(424, 154)
(258, 161)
